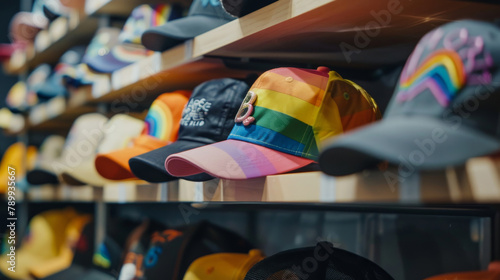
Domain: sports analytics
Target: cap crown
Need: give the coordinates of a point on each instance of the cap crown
(228, 266)
(163, 118)
(144, 17)
(209, 114)
(50, 150)
(102, 43)
(293, 110)
(88, 131)
(330, 264)
(172, 251)
(119, 131)
(209, 8)
(452, 71)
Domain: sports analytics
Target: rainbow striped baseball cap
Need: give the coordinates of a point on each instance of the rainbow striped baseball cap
(283, 119)
(444, 109)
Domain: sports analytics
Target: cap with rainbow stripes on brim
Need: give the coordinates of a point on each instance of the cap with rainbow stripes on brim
(444, 109)
(283, 119)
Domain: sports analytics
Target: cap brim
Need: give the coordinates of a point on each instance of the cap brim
(151, 166)
(41, 177)
(83, 174)
(114, 165)
(233, 159)
(417, 142)
(172, 33)
(111, 62)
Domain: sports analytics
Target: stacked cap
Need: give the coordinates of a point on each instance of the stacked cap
(161, 127)
(115, 134)
(43, 242)
(285, 116)
(17, 97)
(74, 234)
(24, 26)
(443, 110)
(227, 266)
(128, 48)
(204, 15)
(138, 243)
(83, 249)
(13, 162)
(49, 152)
(54, 86)
(207, 118)
(82, 141)
(172, 251)
(330, 264)
(103, 41)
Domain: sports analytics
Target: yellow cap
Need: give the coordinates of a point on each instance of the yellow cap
(14, 157)
(227, 266)
(65, 257)
(43, 242)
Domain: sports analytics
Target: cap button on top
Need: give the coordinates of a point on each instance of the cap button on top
(323, 69)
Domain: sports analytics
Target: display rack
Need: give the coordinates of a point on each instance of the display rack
(288, 32)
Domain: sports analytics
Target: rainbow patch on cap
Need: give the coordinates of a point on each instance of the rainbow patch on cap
(442, 73)
(158, 122)
(144, 17)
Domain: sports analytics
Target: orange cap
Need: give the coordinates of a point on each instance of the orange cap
(161, 127)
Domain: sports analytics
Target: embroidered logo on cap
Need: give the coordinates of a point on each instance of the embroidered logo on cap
(153, 254)
(246, 109)
(462, 60)
(195, 112)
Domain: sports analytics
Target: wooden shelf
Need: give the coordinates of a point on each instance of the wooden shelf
(286, 31)
(475, 182)
(313, 31)
(294, 31)
(55, 115)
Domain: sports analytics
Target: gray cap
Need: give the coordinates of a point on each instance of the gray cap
(445, 108)
(203, 16)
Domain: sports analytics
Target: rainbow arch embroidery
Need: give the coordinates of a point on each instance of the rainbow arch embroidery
(442, 73)
(157, 121)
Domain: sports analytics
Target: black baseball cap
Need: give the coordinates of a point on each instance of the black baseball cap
(239, 8)
(321, 262)
(172, 251)
(207, 118)
(204, 15)
(444, 109)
